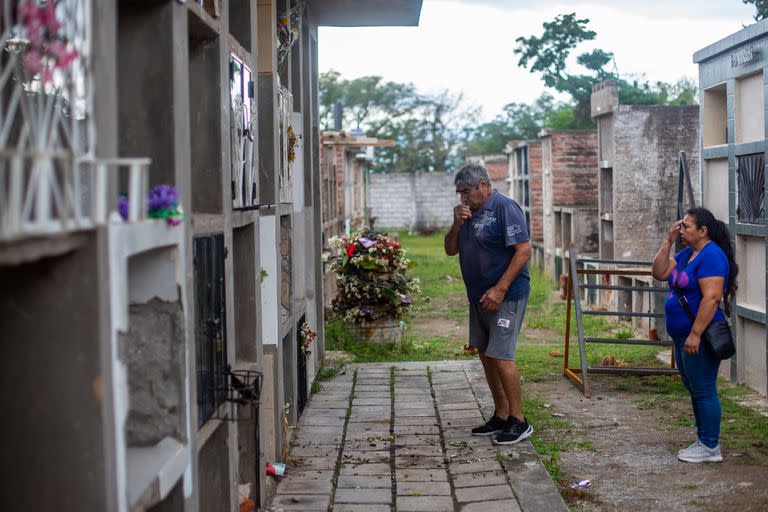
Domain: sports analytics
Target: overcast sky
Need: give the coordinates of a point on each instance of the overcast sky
(466, 45)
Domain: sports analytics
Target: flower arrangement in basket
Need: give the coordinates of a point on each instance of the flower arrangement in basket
(372, 277)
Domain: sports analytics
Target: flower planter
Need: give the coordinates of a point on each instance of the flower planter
(384, 330)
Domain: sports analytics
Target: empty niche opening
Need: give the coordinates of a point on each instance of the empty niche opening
(567, 238)
(750, 254)
(624, 298)
(749, 105)
(204, 120)
(558, 229)
(606, 240)
(751, 353)
(246, 306)
(285, 267)
(715, 184)
(715, 114)
(240, 22)
(153, 349)
(640, 304)
(606, 191)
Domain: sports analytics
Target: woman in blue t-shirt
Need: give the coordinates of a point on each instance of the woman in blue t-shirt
(705, 274)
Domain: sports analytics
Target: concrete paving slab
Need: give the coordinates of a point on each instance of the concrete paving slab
(492, 506)
(419, 461)
(424, 503)
(349, 507)
(365, 469)
(304, 463)
(301, 502)
(302, 486)
(365, 481)
(365, 457)
(428, 452)
(484, 493)
(423, 489)
(363, 496)
(479, 479)
(421, 475)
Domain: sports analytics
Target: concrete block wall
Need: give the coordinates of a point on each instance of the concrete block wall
(647, 142)
(414, 201)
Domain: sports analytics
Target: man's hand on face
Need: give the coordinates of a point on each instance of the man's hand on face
(460, 214)
(492, 299)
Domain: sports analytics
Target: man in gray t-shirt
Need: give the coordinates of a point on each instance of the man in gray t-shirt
(490, 235)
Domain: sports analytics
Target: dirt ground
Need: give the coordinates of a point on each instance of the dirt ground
(633, 464)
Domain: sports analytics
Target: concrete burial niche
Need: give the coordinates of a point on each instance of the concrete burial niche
(153, 349)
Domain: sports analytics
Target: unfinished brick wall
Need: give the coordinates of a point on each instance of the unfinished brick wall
(574, 168)
(535, 184)
(569, 190)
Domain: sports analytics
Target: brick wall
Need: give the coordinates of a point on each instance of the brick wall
(534, 182)
(574, 168)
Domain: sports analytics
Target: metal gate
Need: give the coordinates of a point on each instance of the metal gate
(210, 324)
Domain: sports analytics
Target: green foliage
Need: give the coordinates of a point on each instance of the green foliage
(548, 54)
(426, 127)
(518, 121)
(761, 8)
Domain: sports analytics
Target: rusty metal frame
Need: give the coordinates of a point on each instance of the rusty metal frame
(579, 376)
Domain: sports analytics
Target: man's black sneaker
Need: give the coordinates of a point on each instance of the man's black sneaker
(515, 432)
(495, 425)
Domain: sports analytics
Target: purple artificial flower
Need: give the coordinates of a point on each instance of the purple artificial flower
(407, 300)
(162, 197)
(367, 313)
(366, 242)
(122, 207)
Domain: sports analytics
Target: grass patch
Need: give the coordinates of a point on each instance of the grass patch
(439, 276)
(412, 348)
(553, 436)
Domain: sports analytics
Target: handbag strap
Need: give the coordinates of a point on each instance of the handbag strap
(680, 296)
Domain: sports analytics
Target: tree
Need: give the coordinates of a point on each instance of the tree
(761, 6)
(363, 100)
(548, 55)
(426, 127)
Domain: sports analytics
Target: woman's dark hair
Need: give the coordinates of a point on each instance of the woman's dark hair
(718, 233)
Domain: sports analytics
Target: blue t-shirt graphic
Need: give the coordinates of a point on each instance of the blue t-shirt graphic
(710, 262)
(486, 243)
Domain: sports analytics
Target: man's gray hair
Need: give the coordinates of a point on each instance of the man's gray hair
(471, 174)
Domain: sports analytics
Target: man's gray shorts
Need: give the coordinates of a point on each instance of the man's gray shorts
(496, 332)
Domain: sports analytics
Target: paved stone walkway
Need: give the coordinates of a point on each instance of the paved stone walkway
(395, 437)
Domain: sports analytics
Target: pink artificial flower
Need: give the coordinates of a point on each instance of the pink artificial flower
(57, 48)
(33, 62)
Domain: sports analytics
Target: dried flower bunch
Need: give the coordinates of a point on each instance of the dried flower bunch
(307, 338)
(288, 30)
(373, 280)
(48, 49)
(293, 141)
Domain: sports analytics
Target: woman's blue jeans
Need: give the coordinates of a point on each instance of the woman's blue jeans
(699, 375)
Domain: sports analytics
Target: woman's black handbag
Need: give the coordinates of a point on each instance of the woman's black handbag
(717, 335)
